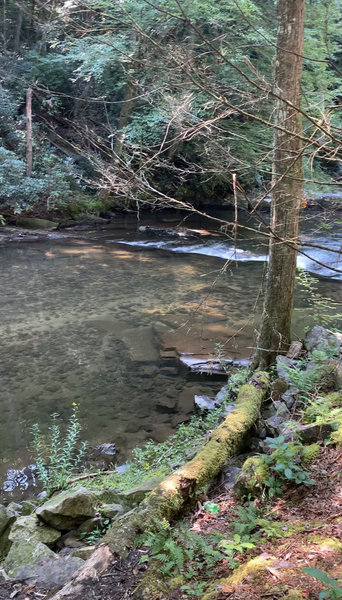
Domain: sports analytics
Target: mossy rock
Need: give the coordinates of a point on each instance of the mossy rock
(30, 529)
(251, 479)
(68, 509)
(23, 552)
(309, 453)
(33, 223)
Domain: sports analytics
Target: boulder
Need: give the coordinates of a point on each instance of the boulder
(7, 516)
(129, 498)
(319, 337)
(222, 395)
(282, 363)
(112, 510)
(68, 509)
(23, 552)
(314, 432)
(52, 573)
(91, 525)
(30, 528)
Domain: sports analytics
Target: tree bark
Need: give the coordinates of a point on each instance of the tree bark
(124, 117)
(18, 30)
(29, 150)
(275, 333)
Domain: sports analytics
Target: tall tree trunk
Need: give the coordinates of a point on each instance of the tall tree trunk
(29, 151)
(275, 334)
(18, 30)
(4, 26)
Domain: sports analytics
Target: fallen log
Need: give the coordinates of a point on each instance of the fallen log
(168, 498)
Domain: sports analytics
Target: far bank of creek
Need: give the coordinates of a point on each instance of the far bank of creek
(95, 318)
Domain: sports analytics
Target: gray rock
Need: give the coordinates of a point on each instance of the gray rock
(7, 517)
(84, 552)
(222, 395)
(290, 396)
(131, 497)
(314, 432)
(282, 362)
(91, 524)
(204, 403)
(112, 510)
(24, 552)
(318, 337)
(278, 388)
(53, 573)
(28, 528)
(275, 423)
(3, 575)
(70, 540)
(68, 509)
(15, 508)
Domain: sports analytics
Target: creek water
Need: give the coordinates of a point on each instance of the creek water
(91, 319)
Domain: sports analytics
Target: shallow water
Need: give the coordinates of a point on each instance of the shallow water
(87, 320)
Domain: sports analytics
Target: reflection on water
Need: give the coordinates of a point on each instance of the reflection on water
(92, 321)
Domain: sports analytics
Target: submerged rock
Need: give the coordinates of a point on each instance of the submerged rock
(68, 509)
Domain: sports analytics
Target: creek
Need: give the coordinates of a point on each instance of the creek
(93, 319)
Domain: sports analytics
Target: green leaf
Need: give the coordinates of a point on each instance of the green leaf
(211, 507)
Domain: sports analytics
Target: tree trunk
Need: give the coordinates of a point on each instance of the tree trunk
(18, 30)
(29, 151)
(275, 334)
(4, 26)
(124, 117)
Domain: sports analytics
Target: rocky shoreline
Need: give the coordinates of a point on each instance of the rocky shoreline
(46, 543)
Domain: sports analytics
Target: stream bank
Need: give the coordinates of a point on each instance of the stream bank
(310, 534)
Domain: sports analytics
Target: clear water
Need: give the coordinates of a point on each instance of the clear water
(87, 319)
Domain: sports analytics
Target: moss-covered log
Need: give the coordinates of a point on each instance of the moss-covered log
(168, 498)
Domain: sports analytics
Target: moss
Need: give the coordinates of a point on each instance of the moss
(293, 595)
(329, 543)
(252, 477)
(309, 453)
(151, 586)
(336, 436)
(251, 568)
(334, 399)
(167, 499)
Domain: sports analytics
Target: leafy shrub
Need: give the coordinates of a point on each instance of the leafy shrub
(285, 464)
(181, 551)
(57, 457)
(332, 588)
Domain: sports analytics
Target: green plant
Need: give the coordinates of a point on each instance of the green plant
(322, 310)
(181, 551)
(195, 589)
(285, 464)
(57, 457)
(235, 545)
(309, 379)
(333, 589)
(93, 536)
